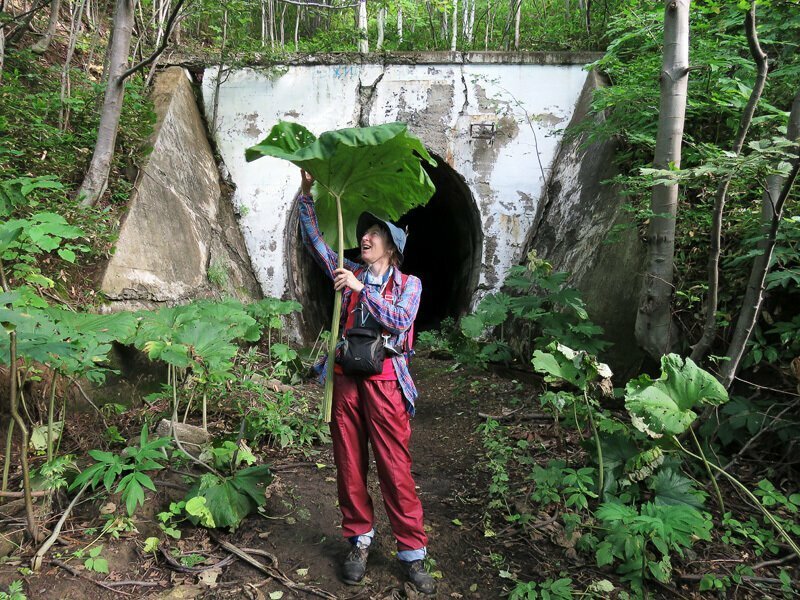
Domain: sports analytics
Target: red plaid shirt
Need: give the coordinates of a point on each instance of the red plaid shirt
(396, 316)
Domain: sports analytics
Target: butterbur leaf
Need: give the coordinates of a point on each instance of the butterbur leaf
(666, 405)
(375, 169)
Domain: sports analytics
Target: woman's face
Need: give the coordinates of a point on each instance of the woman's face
(374, 244)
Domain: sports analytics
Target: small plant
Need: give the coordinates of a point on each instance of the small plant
(131, 465)
(549, 589)
(94, 562)
(15, 591)
(218, 275)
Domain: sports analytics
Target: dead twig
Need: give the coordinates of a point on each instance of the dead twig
(176, 566)
(246, 556)
(76, 573)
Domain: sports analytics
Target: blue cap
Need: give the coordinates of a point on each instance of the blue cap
(367, 220)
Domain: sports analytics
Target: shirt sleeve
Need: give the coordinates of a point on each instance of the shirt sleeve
(396, 318)
(327, 258)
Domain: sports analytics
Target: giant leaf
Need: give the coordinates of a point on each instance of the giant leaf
(375, 169)
(666, 405)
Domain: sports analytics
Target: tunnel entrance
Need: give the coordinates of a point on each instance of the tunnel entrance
(444, 245)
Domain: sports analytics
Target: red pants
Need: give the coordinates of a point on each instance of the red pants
(375, 411)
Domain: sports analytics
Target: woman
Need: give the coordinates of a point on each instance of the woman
(376, 408)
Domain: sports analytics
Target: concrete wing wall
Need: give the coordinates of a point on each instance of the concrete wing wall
(179, 224)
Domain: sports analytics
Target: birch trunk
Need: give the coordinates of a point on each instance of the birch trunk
(771, 214)
(471, 24)
(381, 28)
(517, 19)
(454, 38)
(44, 43)
(399, 24)
(297, 29)
(655, 330)
(76, 21)
(96, 178)
(363, 39)
(2, 52)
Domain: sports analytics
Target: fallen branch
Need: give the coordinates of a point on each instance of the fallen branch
(34, 494)
(36, 561)
(113, 584)
(77, 573)
(176, 566)
(273, 572)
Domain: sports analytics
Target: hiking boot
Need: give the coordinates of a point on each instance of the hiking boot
(419, 577)
(355, 565)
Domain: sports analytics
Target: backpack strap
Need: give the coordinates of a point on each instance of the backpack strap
(388, 295)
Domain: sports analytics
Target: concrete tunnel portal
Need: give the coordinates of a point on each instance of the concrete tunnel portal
(444, 247)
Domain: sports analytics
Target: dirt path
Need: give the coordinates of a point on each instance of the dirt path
(300, 526)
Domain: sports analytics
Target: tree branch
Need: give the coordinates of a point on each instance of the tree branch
(164, 43)
(712, 298)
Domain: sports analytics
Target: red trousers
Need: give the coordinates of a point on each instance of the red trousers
(375, 411)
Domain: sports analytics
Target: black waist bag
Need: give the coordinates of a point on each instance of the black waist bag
(362, 352)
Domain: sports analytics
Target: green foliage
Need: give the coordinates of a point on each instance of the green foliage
(229, 499)
(543, 309)
(549, 589)
(642, 540)
(15, 591)
(664, 406)
(376, 169)
(129, 467)
(95, 562)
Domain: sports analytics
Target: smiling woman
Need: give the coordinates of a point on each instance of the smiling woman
(444, 250)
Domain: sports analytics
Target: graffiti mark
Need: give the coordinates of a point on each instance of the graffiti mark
(341, 71)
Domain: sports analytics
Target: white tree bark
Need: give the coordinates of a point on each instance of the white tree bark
(454, 38)
(381, 28)
(44, 43)
(399, 24)
(96, 178)
(517, 18)
(297, 29)
(363, 39)
(76, 22)
(655, 330)
(471, 23)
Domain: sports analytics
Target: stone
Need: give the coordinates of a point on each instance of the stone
(192, 437)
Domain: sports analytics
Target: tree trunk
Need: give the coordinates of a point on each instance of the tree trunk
(399, 24)
(283, 27)
(655, 330)
(76, 22)
(771, 214)
(471, 24)
(363, 39)
(218, 81)
(760, 58)
(2, 51)
(44, 43)
(517, 19)
(297, 29)
(96, 179)
(381, 28)
(454, 38)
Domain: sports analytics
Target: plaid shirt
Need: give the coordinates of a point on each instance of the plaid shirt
(395, 316)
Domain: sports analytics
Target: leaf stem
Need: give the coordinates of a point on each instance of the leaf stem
(750, 495)
(327, 401)
(597, 444)
(708, 470)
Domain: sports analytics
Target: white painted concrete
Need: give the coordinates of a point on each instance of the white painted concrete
(529, 105)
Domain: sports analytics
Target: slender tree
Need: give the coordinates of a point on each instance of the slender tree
(381, 27)
(775, 194)
(44, 42)
(655, 330)
(760, 58)
(363, 39)
(96, 178)
(454, 38)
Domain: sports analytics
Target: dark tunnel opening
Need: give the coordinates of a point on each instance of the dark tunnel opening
(444, 245)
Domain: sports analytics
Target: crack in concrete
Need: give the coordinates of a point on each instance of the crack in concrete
(464, 106)
(366, 97)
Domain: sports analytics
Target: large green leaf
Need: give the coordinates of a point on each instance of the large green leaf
(375, 169)
(666, 405)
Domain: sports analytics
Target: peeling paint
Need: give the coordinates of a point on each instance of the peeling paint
(440, 103)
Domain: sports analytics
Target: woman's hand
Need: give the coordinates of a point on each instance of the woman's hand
(306, 181)
(343, 278)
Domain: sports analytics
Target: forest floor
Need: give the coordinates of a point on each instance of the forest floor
(298, 535)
